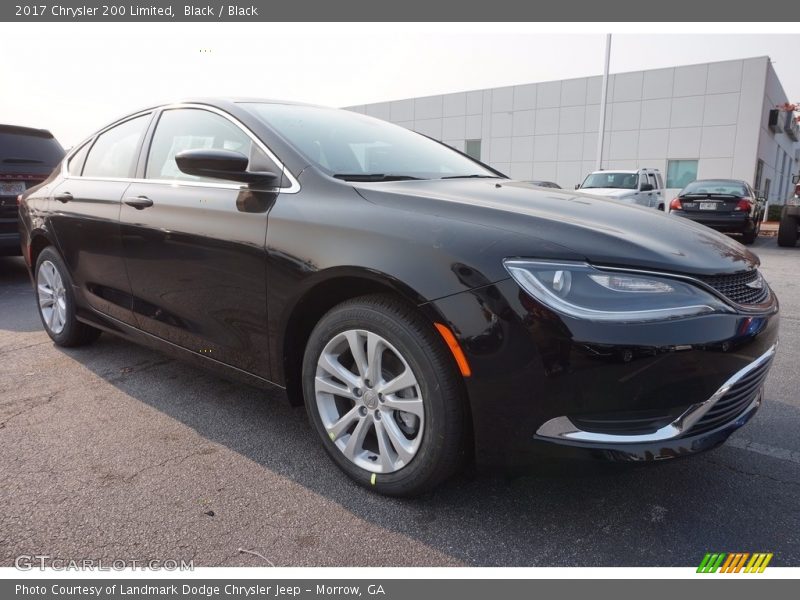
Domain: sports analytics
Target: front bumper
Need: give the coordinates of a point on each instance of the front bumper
(536, 375)
(791, 210)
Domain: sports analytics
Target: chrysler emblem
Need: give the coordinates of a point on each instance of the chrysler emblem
(757, 283)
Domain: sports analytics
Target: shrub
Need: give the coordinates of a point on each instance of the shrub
(774, 212)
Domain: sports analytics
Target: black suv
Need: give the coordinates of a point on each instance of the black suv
(27, 157)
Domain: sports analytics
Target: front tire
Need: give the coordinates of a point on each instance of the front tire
(56, 302)
(787, 231)
(384, 394)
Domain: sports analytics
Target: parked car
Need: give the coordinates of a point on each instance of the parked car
(546, 184)
(790, 221)
(642, 187)
(417, 301)
(727, 205)
(27, 157)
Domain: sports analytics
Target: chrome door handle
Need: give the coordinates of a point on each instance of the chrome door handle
(63, 197)
(139, 202)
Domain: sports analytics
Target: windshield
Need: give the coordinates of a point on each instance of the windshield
(723, 187)
(611, 179)
(359, 148)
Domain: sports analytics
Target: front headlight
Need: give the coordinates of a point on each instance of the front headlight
(584, 292)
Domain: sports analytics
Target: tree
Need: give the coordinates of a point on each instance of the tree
(790, 107)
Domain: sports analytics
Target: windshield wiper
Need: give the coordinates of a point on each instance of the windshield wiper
(22, 161)
(373, 177)
(472, 177)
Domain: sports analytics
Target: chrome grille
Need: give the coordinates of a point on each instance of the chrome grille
(735, 288)
(740, 395)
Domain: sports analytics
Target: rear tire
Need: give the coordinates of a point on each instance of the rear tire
(364, 428)
(787, 231)
(751, 236)
(56, 302)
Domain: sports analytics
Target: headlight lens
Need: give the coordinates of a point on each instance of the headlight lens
(584, 292)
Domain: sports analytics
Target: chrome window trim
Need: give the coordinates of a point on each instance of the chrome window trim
(561, 428)
(293, 188)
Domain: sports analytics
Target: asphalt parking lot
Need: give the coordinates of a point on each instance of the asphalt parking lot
(117, 452)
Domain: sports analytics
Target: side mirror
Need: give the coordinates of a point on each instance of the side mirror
(646, 187)
(761, 199)
(220, 164)
(577, 186)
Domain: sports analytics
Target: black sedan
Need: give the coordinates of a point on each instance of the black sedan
(425, 308)
(727, 205)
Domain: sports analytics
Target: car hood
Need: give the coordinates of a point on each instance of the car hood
(598, 230)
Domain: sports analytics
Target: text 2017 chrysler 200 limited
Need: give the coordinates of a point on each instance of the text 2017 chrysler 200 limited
(426, 308)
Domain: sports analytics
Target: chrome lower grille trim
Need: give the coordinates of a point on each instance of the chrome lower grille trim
(562, 428)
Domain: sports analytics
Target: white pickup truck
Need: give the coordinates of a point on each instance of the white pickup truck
(643, 187)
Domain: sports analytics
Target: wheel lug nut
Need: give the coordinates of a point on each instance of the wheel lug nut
(380, 398)
(357, 392)
(367, 383)
(363, 411)
(377, 415)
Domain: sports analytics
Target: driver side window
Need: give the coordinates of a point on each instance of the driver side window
(192, 129)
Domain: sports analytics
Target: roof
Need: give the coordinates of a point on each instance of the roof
(20, 130)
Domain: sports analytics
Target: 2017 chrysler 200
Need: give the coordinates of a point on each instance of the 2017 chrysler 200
(426, 308)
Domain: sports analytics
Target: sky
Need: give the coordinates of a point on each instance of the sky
(76, 78)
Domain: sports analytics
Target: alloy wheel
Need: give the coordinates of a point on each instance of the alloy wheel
(369, 401)
(52, 297)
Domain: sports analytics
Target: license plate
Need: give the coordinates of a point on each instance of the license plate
(708, 206)
(12, 188)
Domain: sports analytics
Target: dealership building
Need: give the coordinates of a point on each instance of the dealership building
(691, 122)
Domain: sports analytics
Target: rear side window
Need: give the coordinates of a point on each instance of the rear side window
(192, 129)
(653, 182)
(114, 152)
(75, 165)
(28, 147)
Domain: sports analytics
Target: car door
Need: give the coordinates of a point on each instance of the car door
(657, 195)
(85, 215)
(641, 198)
(195, 248)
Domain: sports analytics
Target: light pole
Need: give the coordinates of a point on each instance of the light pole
(603, 102)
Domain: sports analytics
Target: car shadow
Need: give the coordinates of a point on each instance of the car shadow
(560, 514)
(17, 301)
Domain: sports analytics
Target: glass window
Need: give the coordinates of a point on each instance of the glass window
(680, 173)
(652, 180)
(192, 129)
(473, 149)
(611, 179)
(21, 145)
(113, 153)
(75, 165)
(759, 174)
(725, 187)
(352, 146)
